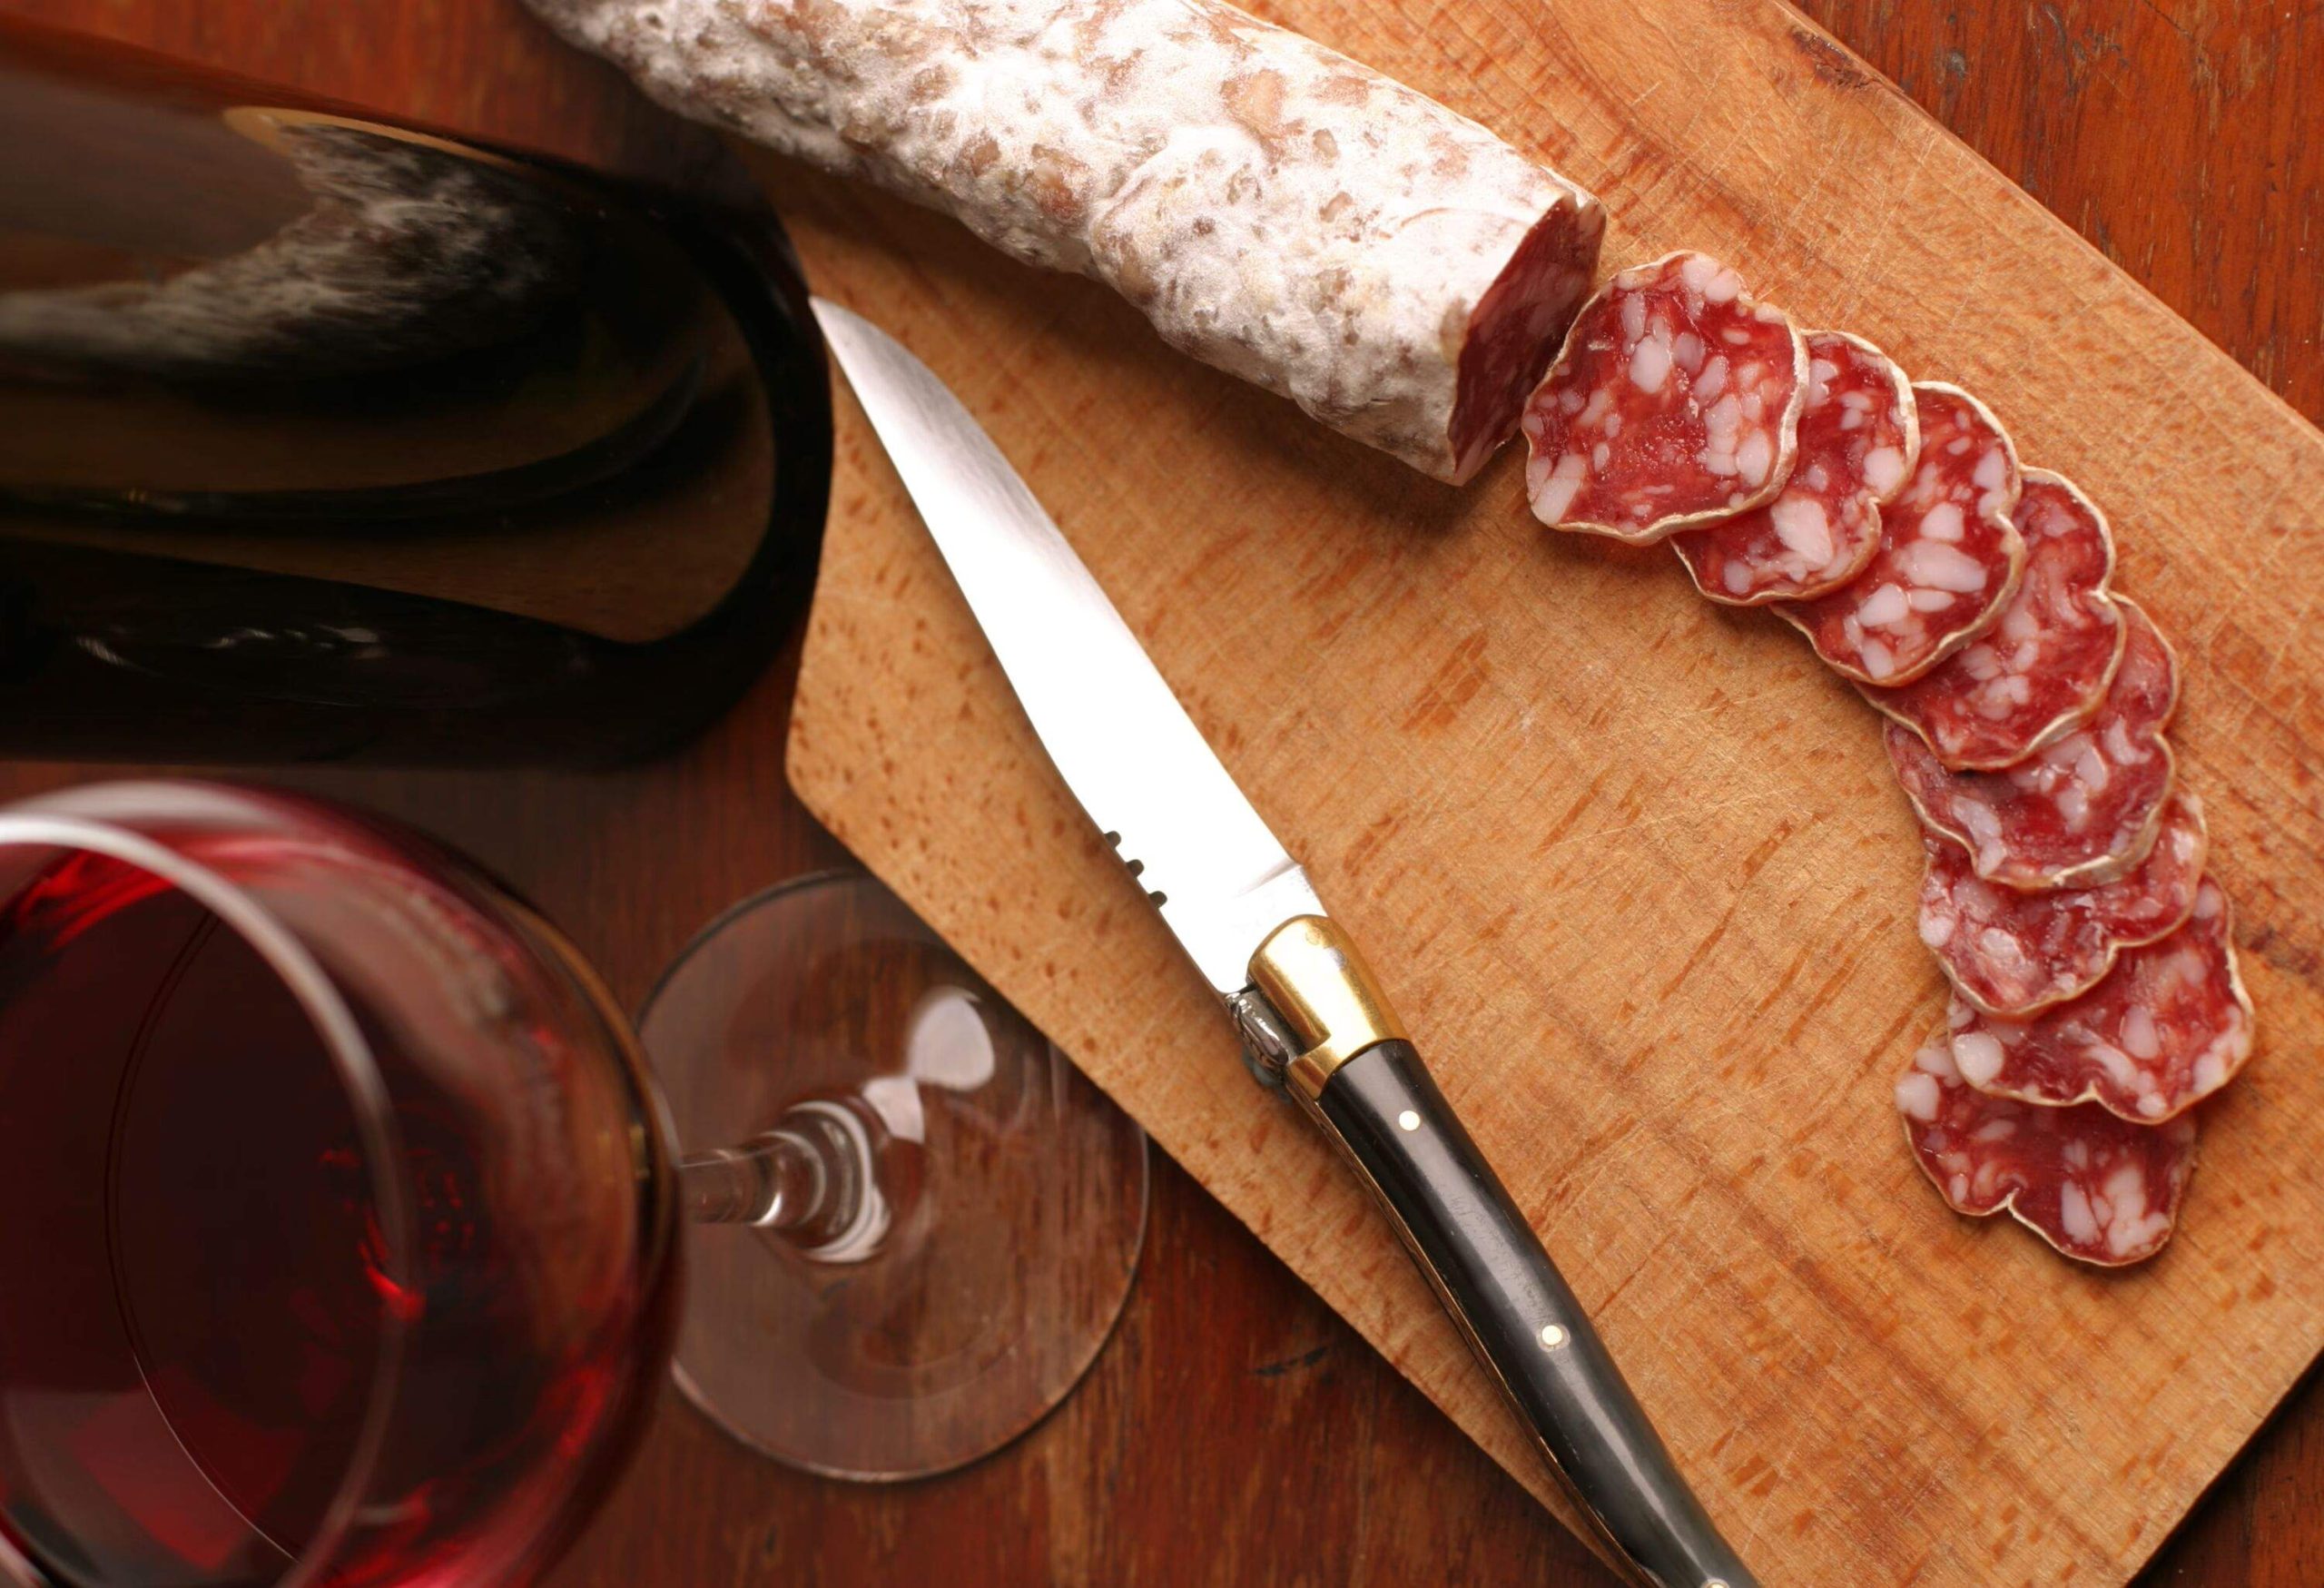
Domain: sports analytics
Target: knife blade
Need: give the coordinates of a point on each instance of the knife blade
(1312, 1017)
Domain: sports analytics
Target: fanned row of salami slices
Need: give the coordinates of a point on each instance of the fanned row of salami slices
(2095, 993)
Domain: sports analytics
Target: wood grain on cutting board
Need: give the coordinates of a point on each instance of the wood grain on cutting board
(1631, 864)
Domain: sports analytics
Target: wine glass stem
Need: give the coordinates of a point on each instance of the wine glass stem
(809, 1177)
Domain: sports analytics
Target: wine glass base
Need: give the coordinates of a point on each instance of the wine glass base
(980, 1276)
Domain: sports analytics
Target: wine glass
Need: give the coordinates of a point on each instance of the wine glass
(343, 1229)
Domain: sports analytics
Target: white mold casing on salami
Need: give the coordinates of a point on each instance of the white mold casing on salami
(1674, 402)
(1276, 209)
(2098, 1189)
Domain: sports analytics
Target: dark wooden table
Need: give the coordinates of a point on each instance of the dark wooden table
(1235, 1431)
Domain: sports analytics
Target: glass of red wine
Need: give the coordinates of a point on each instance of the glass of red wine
(342, 1226)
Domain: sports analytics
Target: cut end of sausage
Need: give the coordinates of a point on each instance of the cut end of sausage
(1516, 330)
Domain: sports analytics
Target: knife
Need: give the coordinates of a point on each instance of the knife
(1312, 1018)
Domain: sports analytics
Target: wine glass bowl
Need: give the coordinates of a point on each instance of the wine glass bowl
(339, 1214)
(338, 1211)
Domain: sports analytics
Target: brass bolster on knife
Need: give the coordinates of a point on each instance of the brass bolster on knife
(1310, 971)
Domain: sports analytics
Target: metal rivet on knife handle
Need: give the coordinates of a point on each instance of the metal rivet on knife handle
(1310, 971)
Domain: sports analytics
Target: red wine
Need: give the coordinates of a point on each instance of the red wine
(228, 1302)
(203, 1292)
(323, 438)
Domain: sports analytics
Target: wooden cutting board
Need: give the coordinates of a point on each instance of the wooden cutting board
(1633, 865)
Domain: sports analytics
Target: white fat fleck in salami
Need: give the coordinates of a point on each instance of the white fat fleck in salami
(2016, 954)
(2168, 1025)
(1675, 401)
(2081, 810)
(1859, 443)
(2097, 1188)
(2042, 668)
(1948, 558)
(1276, 209)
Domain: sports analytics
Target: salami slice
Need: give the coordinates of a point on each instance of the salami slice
(2081, 811)
(2016, 954)
(1675, 401)
(1859, 441)
(1948, 559)
(2098, 1189)
(2170, 1025)
(1274, 207)
(2041, 670)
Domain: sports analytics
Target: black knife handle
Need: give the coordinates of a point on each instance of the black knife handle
(1314, 1018)
(1521, 1318)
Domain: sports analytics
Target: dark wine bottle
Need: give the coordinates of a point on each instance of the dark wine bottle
(323, 439)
